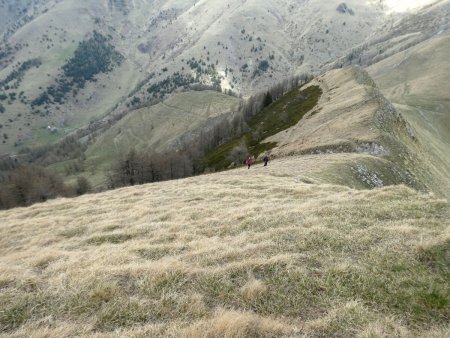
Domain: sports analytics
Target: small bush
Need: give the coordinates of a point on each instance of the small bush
(83, 186)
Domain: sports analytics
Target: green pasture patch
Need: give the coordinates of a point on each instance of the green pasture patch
(279, 116)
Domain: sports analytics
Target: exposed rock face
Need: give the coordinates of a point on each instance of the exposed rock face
(368, 177)
(344, 9)
(419, 92)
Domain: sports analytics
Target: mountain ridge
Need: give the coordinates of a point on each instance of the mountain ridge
(220, 38)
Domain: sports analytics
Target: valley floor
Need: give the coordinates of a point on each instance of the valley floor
(265, 252)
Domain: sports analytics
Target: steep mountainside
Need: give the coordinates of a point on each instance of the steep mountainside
(417, 82)
(14, 14)
(398, 35)
(345, 233)
(152, 47)
(353, 117)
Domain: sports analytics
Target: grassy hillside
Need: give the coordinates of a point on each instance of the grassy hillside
(278, 116)
(340, 112)
(262, 253)
(342, 115)
(156, 128)
(416, 82)
(165, 45)
(300, 248)
(159, 126)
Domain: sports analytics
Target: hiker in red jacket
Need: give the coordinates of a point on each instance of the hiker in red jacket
(249, 162)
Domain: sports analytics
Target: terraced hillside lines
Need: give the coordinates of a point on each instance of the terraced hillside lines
(242, 253)
(159, 127)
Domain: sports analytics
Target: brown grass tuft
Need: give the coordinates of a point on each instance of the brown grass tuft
(253, 290)
(234, 324)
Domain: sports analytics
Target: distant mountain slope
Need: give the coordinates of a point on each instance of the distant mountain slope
(14, 14)
(240, 45)
(398, 35)
(368, 142)
(353, 117)
(163, 127)
(417, 82)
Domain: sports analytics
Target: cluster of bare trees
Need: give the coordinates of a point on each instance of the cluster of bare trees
(139, 167)
(23, 185)
(147, 166)
(66, 149)
(257, 102)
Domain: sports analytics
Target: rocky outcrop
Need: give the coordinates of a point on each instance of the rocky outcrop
(353, 117)
(344, 9)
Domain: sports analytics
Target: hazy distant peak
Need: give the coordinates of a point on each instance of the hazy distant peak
(404, 6)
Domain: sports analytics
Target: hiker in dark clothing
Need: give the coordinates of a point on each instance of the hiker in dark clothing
(266, 159)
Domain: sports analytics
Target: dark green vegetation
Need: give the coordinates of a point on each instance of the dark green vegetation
(179, 79)
(278, 116)
(17, 74)
(169, 84)
(263, 66)
(201, 67)
(92, 57)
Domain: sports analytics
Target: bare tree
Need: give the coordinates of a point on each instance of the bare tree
(239, 153)
(26, 185)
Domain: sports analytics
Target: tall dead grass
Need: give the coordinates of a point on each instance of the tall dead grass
(243, 253)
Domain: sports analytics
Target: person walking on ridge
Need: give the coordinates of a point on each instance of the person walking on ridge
(249, 162)
(266, 159)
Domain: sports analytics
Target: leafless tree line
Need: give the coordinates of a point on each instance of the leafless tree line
(255, 104)
(144, 167)
(24, 185)
(139, 167)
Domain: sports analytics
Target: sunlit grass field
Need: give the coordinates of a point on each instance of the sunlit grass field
(264, 252)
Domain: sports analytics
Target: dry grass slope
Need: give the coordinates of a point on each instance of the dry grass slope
(419, 91)
(243, 253)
